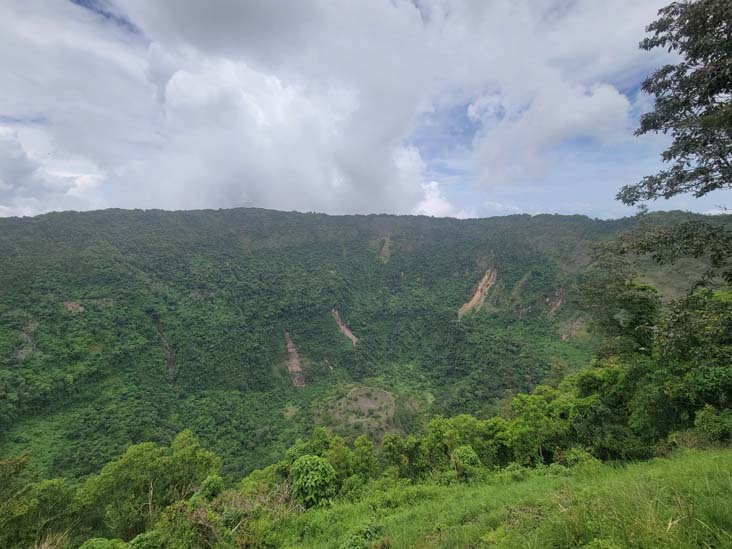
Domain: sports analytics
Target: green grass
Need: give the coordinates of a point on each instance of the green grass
(682, 501)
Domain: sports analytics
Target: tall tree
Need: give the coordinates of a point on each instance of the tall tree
(693, 101)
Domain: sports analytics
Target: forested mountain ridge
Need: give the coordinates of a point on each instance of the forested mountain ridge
(118, 327)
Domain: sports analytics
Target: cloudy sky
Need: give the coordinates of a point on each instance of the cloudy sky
(440, 107)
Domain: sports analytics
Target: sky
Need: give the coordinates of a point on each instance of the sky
(461, 108)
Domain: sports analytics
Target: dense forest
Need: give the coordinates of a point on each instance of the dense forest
(123, 327)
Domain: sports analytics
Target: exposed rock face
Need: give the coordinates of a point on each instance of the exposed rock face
(293, 363)
(475, 302)
(342, 325)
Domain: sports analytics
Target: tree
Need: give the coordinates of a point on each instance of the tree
(620, 308)
(693, 101)
(313, 480)
(130, 493)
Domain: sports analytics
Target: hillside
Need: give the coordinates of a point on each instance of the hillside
(673, 502)
(247, 326)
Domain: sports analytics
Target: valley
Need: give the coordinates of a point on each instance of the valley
(119, 327)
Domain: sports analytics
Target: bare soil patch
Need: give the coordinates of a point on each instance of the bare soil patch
(476, 301)
(73, 306)
(294, 366)
(342, 326)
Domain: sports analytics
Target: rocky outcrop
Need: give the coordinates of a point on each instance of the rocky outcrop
(476, 301)
(342, 326)
(293, 362)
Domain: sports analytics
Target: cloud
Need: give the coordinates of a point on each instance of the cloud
(435, 204)
(322, 105)
(27, 186)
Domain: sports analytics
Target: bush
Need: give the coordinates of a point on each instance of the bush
(466, 462)
(313, 480)
(713, 425)
(578, 457)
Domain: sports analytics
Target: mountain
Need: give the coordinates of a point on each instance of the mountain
(249, 326)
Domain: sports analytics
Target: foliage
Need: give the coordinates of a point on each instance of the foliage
(313, 480)
(466, 462)
(713, 424)
(693, 100)
(84, 373)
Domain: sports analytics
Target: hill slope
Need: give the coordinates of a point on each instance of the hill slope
(124, 326)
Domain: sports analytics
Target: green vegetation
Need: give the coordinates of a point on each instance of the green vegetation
(583, 399)
(84, 372)
(539, 467)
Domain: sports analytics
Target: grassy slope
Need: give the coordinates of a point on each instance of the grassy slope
(679, 502)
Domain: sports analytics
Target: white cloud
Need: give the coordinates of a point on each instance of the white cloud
(27, 186)
(435, 204)
(310, 106)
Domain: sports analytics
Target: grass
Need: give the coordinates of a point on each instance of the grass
(682, 501)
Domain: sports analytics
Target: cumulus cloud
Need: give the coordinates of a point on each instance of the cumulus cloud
(318, 105)
(435, 204)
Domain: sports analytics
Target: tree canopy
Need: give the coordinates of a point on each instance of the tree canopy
(693, 101)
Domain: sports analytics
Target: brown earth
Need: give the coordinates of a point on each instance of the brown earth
(165, 344)
(342, 326)
(73, 307)
(475, 302)
(293, 363)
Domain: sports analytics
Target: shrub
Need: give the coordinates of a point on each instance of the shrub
(313, 480)
(466, 462)
(714, 425)
(578, 457)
